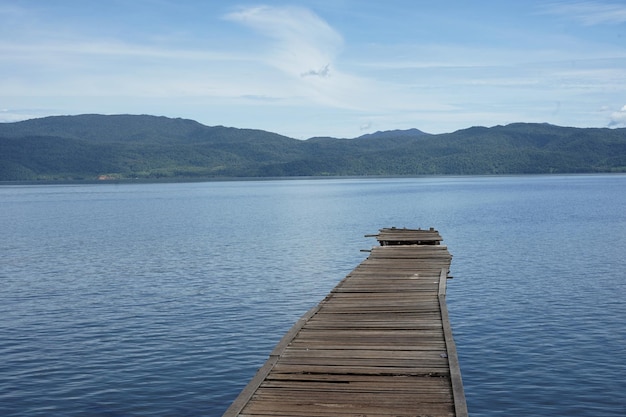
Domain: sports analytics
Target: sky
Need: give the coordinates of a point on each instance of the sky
(340, 68)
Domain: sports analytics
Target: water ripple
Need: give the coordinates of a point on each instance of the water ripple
(165, 299)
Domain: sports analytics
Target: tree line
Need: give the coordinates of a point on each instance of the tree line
(89, 147)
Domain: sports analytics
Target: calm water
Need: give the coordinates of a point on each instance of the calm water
(164, 299)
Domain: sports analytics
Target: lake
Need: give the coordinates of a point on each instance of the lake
(164, 299)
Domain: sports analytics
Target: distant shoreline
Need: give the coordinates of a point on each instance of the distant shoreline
(291, 178)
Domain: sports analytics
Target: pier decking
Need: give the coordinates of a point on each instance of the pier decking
(379, 344)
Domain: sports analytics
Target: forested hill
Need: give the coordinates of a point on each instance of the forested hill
(92, 147)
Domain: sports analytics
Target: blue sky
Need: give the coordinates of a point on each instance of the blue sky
(338, 68)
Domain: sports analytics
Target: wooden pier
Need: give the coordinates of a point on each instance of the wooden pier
(379, 344)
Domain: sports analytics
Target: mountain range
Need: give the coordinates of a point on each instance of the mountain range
(115, 147)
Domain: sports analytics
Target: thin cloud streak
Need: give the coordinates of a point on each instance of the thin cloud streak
(305, 48)
(588, 13)
(109, 49)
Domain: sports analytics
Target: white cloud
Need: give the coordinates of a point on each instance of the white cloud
(366, 126)
(618, 118)
(16, 115)
(588, 13)
(305, 49)
(304, 43)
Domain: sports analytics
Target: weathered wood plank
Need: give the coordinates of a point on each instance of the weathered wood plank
(363, 344)
(379, 344)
